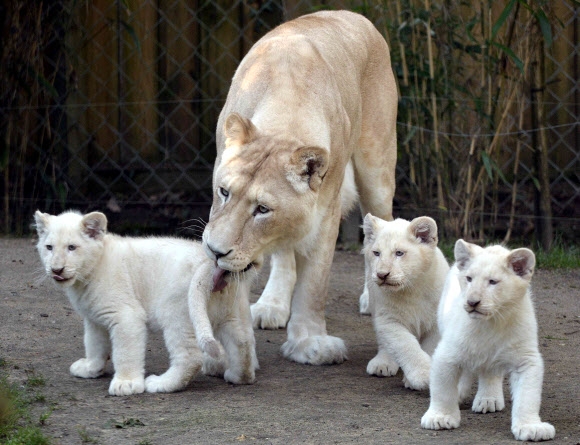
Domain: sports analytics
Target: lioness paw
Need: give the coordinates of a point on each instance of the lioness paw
(269, 316)
(161, 383)
(240, 378)
(87, 369)
(382, 368)
(487, 405)
(535, 432)
(126, 387)
(433, 420)
(316, 350)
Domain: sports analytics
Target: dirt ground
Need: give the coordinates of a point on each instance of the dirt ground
(41, 335)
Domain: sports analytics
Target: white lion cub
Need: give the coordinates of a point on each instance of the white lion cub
(122, 285)
(488, 328)
(405, 273)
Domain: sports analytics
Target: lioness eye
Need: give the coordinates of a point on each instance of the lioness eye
(376, 253)
(493, 282)
(225, 193)
(48, 247)
(468, 279)
(71, 247)
(261, 209)
(399, 253)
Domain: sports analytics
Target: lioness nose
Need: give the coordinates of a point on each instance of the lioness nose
(217, 253)
(473, 303)
(57, 271)
(382, 276)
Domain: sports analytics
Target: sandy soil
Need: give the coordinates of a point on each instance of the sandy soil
(290, 403)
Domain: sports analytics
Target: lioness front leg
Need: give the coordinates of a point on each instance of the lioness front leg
(307, 340)
(526, 383)
(272, 310)
(97, 350)
(129, 340)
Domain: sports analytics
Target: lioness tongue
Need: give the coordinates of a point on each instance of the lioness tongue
(219, 282)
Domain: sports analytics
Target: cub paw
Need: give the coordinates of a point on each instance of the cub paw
(87, 369)
(382, 368)
(433, 420)
(160, 383)
(316, 350)
(210, 346)
(246, 377)
(364, 304)
(417, 380)
(269, 316)
(535, 432)
(487, 404)
(126, 387)
(213, 367)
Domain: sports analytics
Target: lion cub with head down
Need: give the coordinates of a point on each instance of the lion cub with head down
(122, 285)
(405, 272)
(488, 328)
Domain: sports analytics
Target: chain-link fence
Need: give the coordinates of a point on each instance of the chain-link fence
(113, 104)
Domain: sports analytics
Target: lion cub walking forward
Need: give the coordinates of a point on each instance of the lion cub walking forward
(488, 327)
(405, 272)
(121, 285)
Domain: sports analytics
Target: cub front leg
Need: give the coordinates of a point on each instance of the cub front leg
(129, 340)
(443, 412)
(97, 350)
(308, 341)
(489, 397)
(272, 309)
(526, 382)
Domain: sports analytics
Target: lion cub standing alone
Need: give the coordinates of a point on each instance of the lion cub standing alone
(122, 285)
(405, 272)
(488, 327)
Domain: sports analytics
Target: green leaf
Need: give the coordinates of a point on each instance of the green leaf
(502, 18)
(515, 59)
(545, 27)
(131, 31)
(491, 166)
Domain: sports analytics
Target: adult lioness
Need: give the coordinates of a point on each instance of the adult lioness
(311, 109)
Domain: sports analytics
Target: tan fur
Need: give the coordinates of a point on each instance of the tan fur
(313, 102)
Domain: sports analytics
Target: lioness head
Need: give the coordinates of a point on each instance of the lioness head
(398, 252)
(492, 279)
(264, 191)
(70, 244)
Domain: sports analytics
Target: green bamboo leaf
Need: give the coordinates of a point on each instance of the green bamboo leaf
(502, 18)
(131, 31)
(487, 164)
(545, 27)
(515, 59)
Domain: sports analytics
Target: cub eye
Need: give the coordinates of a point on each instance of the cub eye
(225, 193)
(261, 209)
(376, 253)
(493, 282)
(399, 253)
(71, 247)
(468, 279)
(48, 247)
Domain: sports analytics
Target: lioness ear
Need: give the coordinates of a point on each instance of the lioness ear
(425, 230)
(464, 253)
(239, 130)
(41, 222)
(308, 166)
(94, 225)
(370, 227)
(522, 262)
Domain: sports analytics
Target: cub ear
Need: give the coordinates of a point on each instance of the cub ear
(425, 230)
(370, 228)
(239, 130)
(464, 253)
(308, 166)
(94, 225)
(41, 222)
(522, 262)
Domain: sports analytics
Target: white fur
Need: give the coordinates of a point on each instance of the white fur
(121, 286)
(405, 273)
(488, 329)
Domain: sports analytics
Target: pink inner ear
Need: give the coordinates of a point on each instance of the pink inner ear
(519, 266)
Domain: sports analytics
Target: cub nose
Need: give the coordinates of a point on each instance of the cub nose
(473, 303)
(382, 276)
(217, 253)
(57, 271)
